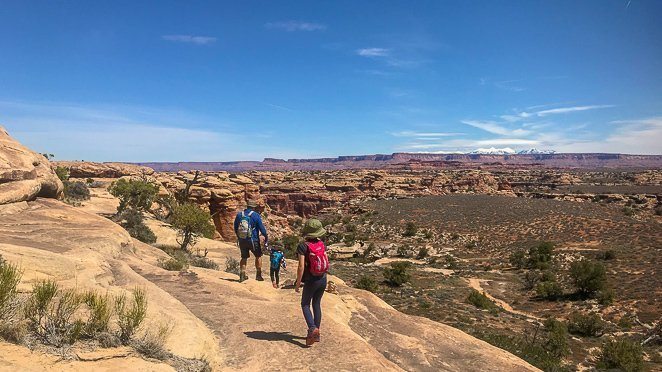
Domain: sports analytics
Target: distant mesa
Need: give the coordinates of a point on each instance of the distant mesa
(491, 157)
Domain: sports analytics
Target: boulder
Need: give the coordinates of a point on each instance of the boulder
(24, 174)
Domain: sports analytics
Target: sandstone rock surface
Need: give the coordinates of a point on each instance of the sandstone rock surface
(24, 174)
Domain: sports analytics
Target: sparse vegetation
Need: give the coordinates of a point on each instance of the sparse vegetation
(367, 283)
(549, 290)
(75, 191)
(152, 343)
(203, 262)
(62, 173)
(132, 220)
(134, 193)
(50, 312)
(589, 277)
(232, 265)
(11, 327)
(622, 354)
(397, 274)
(129, 318)
(423, 253)
(191, 223)
(586, 325)
(481, 301)
(540, 256)
(410, 229)
(518, 259)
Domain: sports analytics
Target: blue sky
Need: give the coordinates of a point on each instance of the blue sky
(243, 80)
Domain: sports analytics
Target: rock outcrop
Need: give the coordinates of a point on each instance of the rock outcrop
(85, 169)
(24, 174)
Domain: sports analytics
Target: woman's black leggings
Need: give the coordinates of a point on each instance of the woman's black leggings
(313, 290)
(275, 275)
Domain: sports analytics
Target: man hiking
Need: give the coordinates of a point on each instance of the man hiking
(248, 227)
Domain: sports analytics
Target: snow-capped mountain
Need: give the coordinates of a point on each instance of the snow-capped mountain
(494, 151)
(509, 151)
(536, 151)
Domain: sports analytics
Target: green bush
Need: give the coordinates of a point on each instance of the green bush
(76, 191)
(540, 256)
(423, 253)
(397, 274)
(480, 300)
(367, 283)
(191, 223)
(179, 263)
(428, 234)
(606, 296)
(518, 259)
(349, 239)
(549, 290)
(628, 211)
(557, 338)
(232, 265)
(586, 325)
(152, 343)
(410, 229)
(100, 311)
(588, 277)
(130, 318)
(203, 262)
(609, 254)
(50, 312)
(403, 251)
(133, 193)
(62, 173)
(133, 222)
(11, 327)
(621, 354)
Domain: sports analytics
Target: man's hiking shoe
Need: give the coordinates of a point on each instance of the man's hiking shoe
(243, 277)
(274, 284)
(313, 336)
(316, 335)
(258, 277)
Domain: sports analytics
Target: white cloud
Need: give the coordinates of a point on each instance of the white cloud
(496, 128)
(191, 39)
(565, 110)
(291, 26)
(407, 133)
(373, 52)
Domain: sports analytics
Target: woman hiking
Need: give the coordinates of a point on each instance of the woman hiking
(313, 265)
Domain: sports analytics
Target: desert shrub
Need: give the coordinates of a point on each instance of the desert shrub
(428, 234)
(540, 256)
(108, 339)
(191, 223)
(550, 290)
(588, 277)
(100, 311)
(62, 173)
(658, 210)
(531, 278)
(76, 191)
(410, 229)
(367, 283)
(349, 239)
(628, 211)
(621, 354)
(290, 243)
(179, 263)
(423, 252)
(133, 222)
(609, 254)
(50, 312)
(397, 274)
(403, 251)
(455, 236)
(11, 327)
(423, 304)
(330, 219)
(586, 325)
(606, 296)
(152, 343)
(134, 193)
(369, 250)
(480, 300)
(471, 245)
(518, 259)
(557, 338)
(130, 318)
(203, 262)
(232, 265)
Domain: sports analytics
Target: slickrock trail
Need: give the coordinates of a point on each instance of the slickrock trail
(235, 326)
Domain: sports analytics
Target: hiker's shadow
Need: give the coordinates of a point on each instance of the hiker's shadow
(276, 336)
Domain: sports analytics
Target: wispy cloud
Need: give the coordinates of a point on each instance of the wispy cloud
(291, 26)
(511, 85)
(495, 128)
(373, 52)
(522, 115)
(279, 107)
(407, 133)
(190, 39)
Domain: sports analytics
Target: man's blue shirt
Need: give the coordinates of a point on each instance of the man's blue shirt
(256, 224)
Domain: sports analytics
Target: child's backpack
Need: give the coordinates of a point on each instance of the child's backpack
(318, 261)
(276, 257)
(245, 229)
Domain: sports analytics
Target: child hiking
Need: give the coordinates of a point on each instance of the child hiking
(277, 259)
(313, 265)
